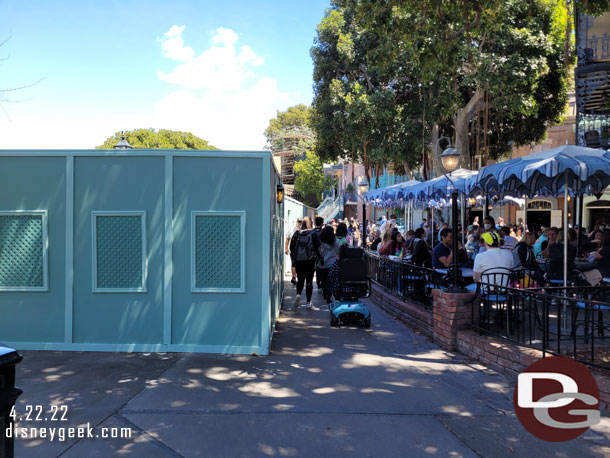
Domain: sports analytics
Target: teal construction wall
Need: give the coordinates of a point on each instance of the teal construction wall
(170, 313)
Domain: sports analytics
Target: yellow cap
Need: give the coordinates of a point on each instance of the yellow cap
(490, 238)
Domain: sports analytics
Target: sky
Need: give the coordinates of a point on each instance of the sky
(88, 69)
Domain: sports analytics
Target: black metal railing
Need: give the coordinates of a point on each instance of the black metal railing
(404, 280)
(571, 321)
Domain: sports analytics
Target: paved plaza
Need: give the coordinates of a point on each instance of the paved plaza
(382, 392)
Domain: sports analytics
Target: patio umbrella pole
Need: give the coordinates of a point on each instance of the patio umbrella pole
(525, 215)
(463, 215)
(565, 233)
(579, 202)
(432, 228)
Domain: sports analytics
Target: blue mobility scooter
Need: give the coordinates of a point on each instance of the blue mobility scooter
(354, 284)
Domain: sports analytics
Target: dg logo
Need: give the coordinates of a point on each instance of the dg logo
(557, 399)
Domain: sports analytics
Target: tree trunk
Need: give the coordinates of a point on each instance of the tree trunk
(462, 125)
(437, 166)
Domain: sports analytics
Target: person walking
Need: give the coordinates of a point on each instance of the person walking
(304, 252)
(319, 223)
(289, 233)
(329, 247)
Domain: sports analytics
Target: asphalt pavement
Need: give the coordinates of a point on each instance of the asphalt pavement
(324, 392)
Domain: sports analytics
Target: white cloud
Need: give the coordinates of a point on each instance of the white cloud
(221, 98)
(174, 31)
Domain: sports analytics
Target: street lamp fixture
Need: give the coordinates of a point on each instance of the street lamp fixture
(450, 159)
(280, 193)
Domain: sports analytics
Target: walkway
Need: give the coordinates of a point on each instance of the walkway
(328, 392)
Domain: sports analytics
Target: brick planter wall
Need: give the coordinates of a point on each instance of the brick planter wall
(447, 325)
(412, 314)
(513, 359)
(451, 313)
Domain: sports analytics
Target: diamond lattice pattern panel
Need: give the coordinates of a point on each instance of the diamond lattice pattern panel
(218, 252)
(119, 252)
(21, 247)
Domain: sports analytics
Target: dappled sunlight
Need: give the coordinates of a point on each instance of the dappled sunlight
(223, 374)
(369, 360)
(496, 387)
(267, 390)
(334, 389)
(270, 450)
(375, 390)
(456, 410)
(229, 406)
(314, 352)
(193, 384)
(402, 384)
(283, 407)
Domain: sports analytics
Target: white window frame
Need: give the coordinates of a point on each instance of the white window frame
(143, 287)
(45, 251)
(242, 283)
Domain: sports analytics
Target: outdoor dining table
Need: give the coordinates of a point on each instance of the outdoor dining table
(467, 272)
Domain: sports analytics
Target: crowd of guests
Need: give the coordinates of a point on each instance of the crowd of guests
(494, 244)
(316, 250)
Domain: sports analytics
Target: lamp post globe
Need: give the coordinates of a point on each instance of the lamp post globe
(450, 159)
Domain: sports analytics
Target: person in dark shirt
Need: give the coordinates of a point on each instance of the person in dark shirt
(556, 255)
(603, 255)
(442, 256)
(376, 240)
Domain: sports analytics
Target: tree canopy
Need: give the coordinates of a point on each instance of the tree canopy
(309, 178)
(161, 139)
(288, 126)
(391, 77)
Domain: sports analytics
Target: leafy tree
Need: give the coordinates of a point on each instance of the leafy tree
(288, 126)
(593, 7)
(358, 110)
(309, 180)
(161, 139)
(483, 71)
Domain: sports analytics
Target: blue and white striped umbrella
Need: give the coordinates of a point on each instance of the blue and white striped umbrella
(441, 187)
(586, 170)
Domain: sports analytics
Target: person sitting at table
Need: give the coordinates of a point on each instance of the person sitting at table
(523, 254)
(410, 236)
(399, 246)
(376, 239)
(556, 255)
(385, 248)
(603, 255)
(541, 244)
(509, 240)
(442, 255)
(552, 234)
(419, 249)
(492, 257)
(595, 241)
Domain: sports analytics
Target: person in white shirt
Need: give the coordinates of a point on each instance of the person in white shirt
(493, 256)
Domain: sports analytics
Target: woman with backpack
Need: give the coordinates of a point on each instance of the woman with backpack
(304, 251)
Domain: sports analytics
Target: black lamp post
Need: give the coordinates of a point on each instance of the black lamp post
(363, 186)
(451, 160)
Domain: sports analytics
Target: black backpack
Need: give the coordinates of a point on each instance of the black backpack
(304, 246)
